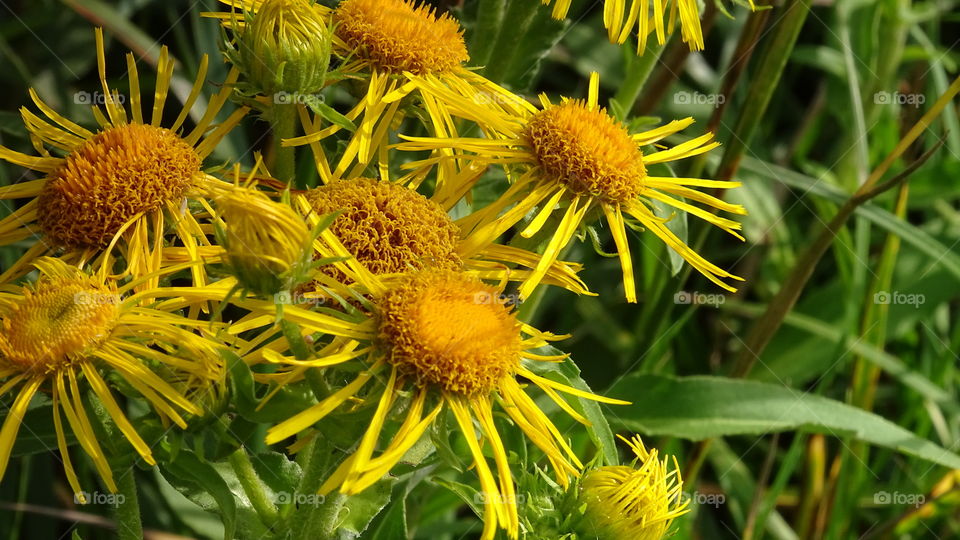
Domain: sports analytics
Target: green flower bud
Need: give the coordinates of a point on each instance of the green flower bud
(284, 48)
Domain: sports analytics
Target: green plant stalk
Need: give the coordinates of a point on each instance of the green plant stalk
(129, 525)
(520, 16)
(762, 332)
(638, 69)
(283, 125)
(812, 489)
(252, 486)
(764, 84)
(489, 22)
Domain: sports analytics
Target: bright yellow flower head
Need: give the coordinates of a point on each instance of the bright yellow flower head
(119, 174)
(636, 502)
(61, 332)
(443, 330)
(388, 227)
(121, 185)
(398, 36)
(449, 343)
(571, 158)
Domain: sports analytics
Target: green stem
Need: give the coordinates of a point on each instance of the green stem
(310, 521)
(127, 511)
(764, 84)
(283, 124)
(638, 71)
(252, 486)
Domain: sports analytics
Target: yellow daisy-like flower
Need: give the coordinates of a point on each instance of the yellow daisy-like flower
(400, 49)
(575, 158)
(621, 16)
(445, 343)
(124, 184)
(636, 502)
(390, 228)
(67, 328)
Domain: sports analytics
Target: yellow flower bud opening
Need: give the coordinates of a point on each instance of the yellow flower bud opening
(636, 502)
(285, 47)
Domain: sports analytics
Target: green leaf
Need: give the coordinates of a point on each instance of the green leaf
(393, 522)
(361, 509)
(201, 483)
(568, 373)
(703, 407)
(328, 113)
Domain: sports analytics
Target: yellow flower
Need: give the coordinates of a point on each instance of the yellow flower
(636, 502)
(445, 343)
(122, 185)
(400, 49)
(621, 16)
(68, 328)
(574, 157)
(390, 228)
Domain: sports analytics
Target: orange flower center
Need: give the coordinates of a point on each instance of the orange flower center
(398, 36)
(118, 174)
(56, 323)
(587, 150)
(387, 227)
(448, 329)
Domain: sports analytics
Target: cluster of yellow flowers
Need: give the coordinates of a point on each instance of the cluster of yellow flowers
(130, 233)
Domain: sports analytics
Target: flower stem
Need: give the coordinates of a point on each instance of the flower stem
(283, 117)
(127, 513)
(252, 486)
